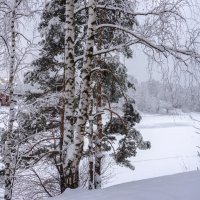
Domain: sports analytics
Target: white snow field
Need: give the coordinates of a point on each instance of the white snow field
(174, 141)
(175, 187)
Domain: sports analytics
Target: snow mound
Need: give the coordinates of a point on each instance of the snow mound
(183, 186)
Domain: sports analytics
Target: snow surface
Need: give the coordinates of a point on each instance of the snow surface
(175, 187)
(174, 140)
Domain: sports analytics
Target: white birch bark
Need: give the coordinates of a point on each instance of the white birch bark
(69, 87)
(10, 151)
(85, 86)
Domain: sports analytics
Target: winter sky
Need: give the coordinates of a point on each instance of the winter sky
(137, 65)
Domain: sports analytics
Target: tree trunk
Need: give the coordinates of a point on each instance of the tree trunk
(68, 138)
(90, 145)
(61, 170)
(98, 138)
(99, 134)
(10, 148)
(85, 86)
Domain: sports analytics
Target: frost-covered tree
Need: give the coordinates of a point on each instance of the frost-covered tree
(81, 37)
(13, 56)
(47, 84)
(11, 13)
(167, 96)
(50, 86)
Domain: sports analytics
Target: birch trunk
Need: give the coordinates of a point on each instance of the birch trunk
(10, 150)
(85, 87)
(68, 137)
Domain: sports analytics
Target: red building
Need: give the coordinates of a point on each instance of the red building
(4, 99)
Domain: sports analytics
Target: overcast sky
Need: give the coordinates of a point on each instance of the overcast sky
(138, 67)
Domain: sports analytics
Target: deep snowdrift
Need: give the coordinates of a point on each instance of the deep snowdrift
(185, 186)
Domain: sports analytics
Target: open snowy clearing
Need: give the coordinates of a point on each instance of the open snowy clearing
(175, 187)
(174, 140)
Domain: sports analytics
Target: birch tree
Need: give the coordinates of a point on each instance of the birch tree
(85, 88)
(10, 150)
(69, 87)
(11, 13)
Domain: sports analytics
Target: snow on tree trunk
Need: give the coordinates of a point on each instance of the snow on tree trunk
(69, 93)
(10, 151)
(85, 86)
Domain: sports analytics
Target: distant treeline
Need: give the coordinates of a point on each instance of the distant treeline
(167, 98)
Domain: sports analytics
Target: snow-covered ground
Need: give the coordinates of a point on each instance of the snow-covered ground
(175, 187)
(174, 140)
